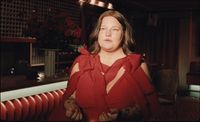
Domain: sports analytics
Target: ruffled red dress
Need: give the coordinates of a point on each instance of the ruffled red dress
(133, 87)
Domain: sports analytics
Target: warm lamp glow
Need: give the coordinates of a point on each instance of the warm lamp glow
(92, 2)
(81, 2)
(101, 4)
(97, 3)
(110, 6)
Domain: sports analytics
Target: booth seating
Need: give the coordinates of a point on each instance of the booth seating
(34, 107)
(193, 76)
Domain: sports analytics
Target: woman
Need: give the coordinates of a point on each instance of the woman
(110, 82)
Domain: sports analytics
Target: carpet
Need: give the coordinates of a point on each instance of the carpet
(185, 109)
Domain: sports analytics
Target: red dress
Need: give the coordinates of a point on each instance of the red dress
(133, 87)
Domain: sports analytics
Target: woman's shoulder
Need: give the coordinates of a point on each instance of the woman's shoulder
(83, 51)
(135, 57)
(84, 54)
(135, 60)
(85, 58)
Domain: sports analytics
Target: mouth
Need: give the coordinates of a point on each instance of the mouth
(108, 40)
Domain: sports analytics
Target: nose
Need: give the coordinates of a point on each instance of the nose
(108, 32)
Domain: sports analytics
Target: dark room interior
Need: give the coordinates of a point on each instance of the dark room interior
(40, 39)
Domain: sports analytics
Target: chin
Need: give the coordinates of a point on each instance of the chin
(108, 50)
(106, 47)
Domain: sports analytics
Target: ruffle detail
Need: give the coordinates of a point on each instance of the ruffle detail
(84, 51)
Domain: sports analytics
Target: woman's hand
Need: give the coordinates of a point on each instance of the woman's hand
(72, 110)
(109, 116)
(131, 113)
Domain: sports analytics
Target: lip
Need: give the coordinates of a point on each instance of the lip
(108, 40)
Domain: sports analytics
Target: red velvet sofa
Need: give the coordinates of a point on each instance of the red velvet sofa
(34, 107)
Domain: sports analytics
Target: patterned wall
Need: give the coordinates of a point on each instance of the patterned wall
(15, 13)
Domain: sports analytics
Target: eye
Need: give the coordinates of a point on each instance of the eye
(115, 29)
(102, 28)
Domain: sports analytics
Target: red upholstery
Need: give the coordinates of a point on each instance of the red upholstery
(32, 107)
(51, 101)
(3, 111)
(38, 100)
(193, 76)
(18, 109)
(56, 98)
(63, 90)
(60, 92)
(11, 110)
(25, 109)
(45, 102)
(36, 107)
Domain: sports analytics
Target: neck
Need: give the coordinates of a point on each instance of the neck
(118, 52)
(110, 57)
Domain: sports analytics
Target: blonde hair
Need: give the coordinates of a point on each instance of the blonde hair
(128, 41)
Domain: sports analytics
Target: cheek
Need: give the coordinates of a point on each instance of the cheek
(118, 38)
(99, 38)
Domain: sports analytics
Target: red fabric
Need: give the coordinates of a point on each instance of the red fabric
(51, 101)
(56, 97)
(11, 110)
(3, 111)
(18, 109)
(38, 101)
(25, 109)
(32, 109)
(45, 103)
(90, 85)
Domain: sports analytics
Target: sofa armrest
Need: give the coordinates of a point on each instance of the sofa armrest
(34, 103)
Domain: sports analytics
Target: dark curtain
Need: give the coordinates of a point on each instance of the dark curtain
(159, 41)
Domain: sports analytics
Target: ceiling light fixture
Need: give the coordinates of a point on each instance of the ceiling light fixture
(110, 6)
(101, 4)
(92, 2)
(97, 3)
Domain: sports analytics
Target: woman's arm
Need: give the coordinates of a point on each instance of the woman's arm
(132, 113)
(73, 111)
(151, 97)
(145, 69)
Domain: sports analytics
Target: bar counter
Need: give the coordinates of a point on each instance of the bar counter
(13, 82)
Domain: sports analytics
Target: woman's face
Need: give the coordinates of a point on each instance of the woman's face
(110, 34)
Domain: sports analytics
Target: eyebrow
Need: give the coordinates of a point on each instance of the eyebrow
(112, 26)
